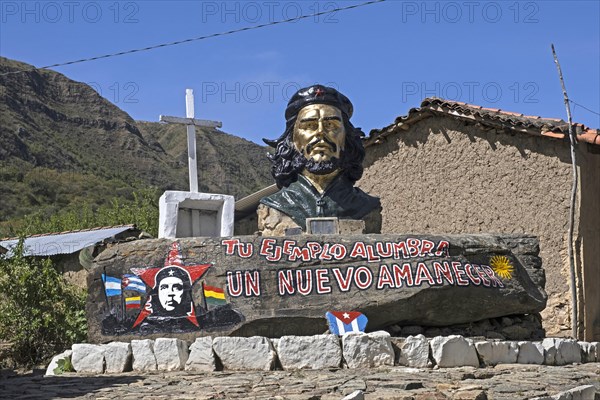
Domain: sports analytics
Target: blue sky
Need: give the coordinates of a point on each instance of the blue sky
(385, 57)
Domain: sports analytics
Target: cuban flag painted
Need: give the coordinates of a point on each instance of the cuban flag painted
(341, 322)
(112, 285)
(132, 282)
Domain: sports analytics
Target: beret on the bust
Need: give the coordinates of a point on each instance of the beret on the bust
(318, 94)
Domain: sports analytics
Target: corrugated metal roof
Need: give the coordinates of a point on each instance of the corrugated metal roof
(248, 204)
(65, 242)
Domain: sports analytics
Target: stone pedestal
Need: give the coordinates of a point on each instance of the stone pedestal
(189, 214)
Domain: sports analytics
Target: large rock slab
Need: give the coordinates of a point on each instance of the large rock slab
(453, 351)
(201, 356)
(309, 352)
(240, 353)
(367, 350)
(88, 358)
(248, 285)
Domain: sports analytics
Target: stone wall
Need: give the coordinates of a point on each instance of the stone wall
(354, 350)
(588, 241)
(442, 175)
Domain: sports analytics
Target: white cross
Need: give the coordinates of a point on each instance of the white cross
(191, 124)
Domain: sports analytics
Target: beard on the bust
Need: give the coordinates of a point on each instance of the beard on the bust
(316, 167)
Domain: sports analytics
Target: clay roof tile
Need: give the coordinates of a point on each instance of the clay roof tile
(548, 127)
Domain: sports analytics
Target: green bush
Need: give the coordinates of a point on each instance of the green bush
(40, 313)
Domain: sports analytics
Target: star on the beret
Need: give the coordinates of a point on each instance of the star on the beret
(171, 272)
(319, 92)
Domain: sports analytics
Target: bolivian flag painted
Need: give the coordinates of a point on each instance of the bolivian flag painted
(133, 302)
(214, 296)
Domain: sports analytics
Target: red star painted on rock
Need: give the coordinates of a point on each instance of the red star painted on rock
(173, 259)
(319, 92)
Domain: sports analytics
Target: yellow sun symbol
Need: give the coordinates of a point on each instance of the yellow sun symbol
(502, 266)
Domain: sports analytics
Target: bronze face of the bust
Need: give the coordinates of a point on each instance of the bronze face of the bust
(319, 132)
(319, 135)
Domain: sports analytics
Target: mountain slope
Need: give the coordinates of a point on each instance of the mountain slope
(226, 163)
(62, 145)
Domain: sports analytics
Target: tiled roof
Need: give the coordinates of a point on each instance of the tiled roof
(494, 117)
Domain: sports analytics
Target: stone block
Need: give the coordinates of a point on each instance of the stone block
(367, 350)
(118, 357)
(54, 363)
(201, 356)
(88, 358)
(171, 354)
(245, 353)
(309, 352)
(567, 351)
(585, 392)
(549, 346)
(530, 353)
(494, 353)
(143, 355)
(589, 352)
(415, 352)
(453, 351)
(189, 214)
(356, 395)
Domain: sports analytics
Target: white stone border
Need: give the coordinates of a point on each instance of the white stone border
(353, 350)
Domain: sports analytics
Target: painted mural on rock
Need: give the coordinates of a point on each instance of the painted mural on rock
(173, 298)
(253, 285)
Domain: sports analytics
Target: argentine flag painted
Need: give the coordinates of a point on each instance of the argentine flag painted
(112, 285)
(341, 322)
(133, 282)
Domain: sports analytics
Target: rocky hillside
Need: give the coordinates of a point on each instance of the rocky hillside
(226, 163)
(62, 144)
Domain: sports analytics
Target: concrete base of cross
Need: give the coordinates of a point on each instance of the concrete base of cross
(192, 214)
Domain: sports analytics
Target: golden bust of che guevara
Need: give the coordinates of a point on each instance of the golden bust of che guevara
(318, 159)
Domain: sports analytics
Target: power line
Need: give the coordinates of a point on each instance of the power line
(584, 107)
(248, 28)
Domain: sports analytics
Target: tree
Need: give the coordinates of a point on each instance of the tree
(40, 313)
